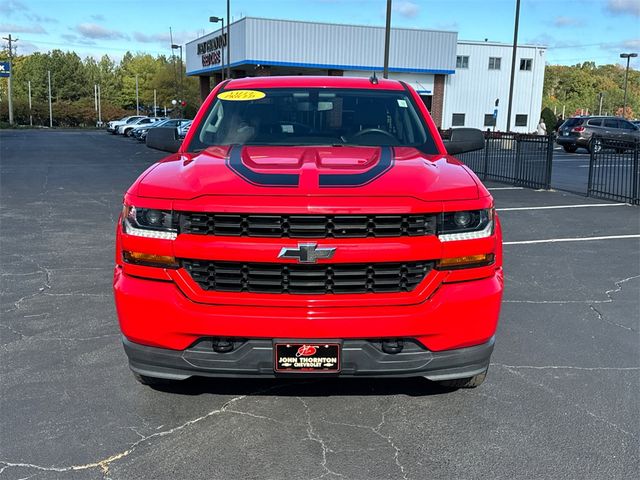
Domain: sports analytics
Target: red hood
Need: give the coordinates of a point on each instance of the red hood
(311, 171)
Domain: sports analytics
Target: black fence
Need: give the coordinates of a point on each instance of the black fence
(613, 170)
(518, 159)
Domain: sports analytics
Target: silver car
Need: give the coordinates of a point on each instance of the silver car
(577, 132)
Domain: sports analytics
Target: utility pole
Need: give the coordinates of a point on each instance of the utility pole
(11, 41)
(600, 107)
(30, 114)
(50, 109)
(387, 36)
(628, 56)
(228, 41)
(513, 64)
(155, 102)
(137, 98)
(99, 107)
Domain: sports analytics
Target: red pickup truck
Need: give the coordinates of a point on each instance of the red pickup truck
(309, 226)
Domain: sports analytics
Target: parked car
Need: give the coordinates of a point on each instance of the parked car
(126, 128)
(577, 132)
(184, 129)
(310, 226)
(114, 124)
(140, 132)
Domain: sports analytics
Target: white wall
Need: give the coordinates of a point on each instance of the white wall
(473, 91)
(421, 82)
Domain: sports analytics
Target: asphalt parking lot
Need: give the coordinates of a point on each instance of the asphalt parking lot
(560, 401)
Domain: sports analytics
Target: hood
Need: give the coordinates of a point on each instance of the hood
(310, 171)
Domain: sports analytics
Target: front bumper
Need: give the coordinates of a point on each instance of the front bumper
(360, 358)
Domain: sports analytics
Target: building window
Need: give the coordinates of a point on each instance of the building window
(489, 120)
(462, 61)
(494, 63)
(521, 120)
(525, 63)
(457, 120)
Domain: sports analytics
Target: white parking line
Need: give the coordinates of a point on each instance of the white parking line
(553, 207)
(506, 188)
(576, 239)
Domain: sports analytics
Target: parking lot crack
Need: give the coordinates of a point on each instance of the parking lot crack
(563, 367)
(389, 439)
(315, 437)
(610, 299)
(105, 464)
(514, 370)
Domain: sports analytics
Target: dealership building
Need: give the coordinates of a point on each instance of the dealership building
(459, 81)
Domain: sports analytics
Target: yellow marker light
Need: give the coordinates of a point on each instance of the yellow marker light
(150, 260)
(466, 261)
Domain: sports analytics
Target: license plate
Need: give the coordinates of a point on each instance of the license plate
(566, 134)
(307, 357)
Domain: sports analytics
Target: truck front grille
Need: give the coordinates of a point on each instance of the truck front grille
(307, 226)
(332, 278)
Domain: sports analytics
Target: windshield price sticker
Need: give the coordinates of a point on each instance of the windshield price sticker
(242, 95)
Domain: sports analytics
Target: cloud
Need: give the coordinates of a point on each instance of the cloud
(633, 44)
(13, 28)
(164, 38)
(406, 9)
(77, 40)
(448, 26)
(92, 30)
(98, 17)
(624, 7)
(567, 22)
(9, 7)
(34, 17)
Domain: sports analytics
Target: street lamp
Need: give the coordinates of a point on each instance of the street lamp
(174, 47)
(216, 20)
(628, 56)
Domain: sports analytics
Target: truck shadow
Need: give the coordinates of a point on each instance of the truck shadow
(308, 387)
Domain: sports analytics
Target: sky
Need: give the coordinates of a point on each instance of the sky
(574, 31)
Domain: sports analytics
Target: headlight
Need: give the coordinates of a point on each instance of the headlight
(149, 223)
(465, 225)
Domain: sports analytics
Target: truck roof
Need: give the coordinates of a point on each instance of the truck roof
(303, 81)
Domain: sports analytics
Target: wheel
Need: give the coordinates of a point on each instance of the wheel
(569, 148)
(595, 145)
(471, 382)
(152, 381)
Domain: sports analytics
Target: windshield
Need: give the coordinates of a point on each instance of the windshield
(313, 117)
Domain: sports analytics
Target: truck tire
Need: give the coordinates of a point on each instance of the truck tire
(152, 381)
(471, 382)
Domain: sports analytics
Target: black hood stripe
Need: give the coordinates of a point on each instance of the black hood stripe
(359, 179)
(234, 162)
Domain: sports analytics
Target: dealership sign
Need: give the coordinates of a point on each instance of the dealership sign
(5, 69)
(211, 51)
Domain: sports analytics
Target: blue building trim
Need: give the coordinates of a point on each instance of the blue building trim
(324, 66)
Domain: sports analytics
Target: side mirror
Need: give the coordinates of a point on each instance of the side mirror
(464, 140)
(163, 138)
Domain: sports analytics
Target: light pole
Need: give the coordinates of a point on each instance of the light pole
(174, 47)
(387, 35)
(628, 56)
(513, 63)
(216, 20)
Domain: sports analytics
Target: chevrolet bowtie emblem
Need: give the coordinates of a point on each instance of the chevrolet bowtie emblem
(307, 253)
